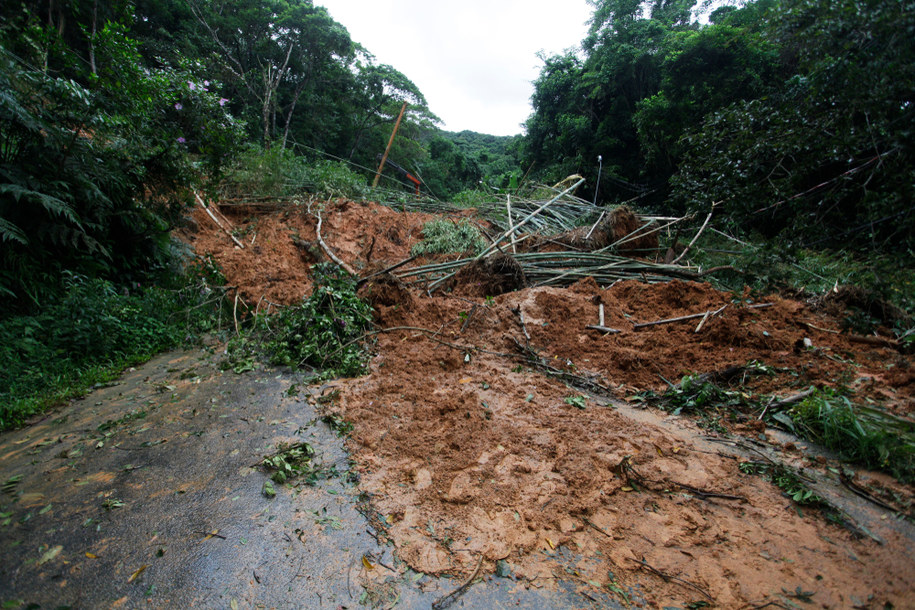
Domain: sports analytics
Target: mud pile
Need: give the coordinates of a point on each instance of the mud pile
(467, 450)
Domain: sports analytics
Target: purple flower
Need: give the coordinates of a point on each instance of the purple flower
(178, 106)
(206, 83)
(222, 101)
(181, 140)
(191, 85)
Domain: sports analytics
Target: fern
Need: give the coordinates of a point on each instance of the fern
(10, 232)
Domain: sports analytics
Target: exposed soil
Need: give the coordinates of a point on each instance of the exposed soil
(466, 450)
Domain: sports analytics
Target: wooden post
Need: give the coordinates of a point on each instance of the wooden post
(388, 148)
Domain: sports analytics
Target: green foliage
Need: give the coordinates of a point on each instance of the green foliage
(469, 160)
(785, 479)
(325, 331)
(330, 179)
(579, 402)
(796, 116)
(859, 433)
(280, 172)
(276, 172)
(471, 198)
(775, 266)
(444, 236)
(291, 461)
(94, 165)
(89, 334)
(826, 158)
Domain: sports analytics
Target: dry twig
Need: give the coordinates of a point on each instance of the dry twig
(447, 600)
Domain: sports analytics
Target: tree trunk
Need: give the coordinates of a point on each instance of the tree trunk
(295, 99)
(92, 37)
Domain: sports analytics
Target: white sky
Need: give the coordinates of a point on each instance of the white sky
(474, 60)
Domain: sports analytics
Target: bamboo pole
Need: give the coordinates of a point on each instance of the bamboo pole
(388, 148)
(508, 207)
(528, 218)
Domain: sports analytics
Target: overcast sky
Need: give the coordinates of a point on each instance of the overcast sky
(474, 60)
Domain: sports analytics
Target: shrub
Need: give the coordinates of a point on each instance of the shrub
(89, 334)
(325, 330)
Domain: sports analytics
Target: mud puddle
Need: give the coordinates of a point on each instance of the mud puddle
(148, 493)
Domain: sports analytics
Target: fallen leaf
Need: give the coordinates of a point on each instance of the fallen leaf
(676, 450)
(627, 488)
(368, 564)
(50, 554)
(233, 604)
(550, 542)
(137, 573)
(465, 380)
(91, 555)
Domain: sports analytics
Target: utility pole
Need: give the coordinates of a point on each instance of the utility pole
(388, 149)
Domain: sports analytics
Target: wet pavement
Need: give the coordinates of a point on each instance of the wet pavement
(150, 492)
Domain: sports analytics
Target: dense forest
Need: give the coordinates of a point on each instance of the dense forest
(792, 119)
(795, 116)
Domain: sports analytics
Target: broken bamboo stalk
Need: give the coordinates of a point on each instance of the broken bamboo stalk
(702, 322)
(696, 237)
(330, 252)
(600, 325)
(528, 218)
(790, 400)
(405, 261)
(511, 229)
(602, 328)
(681, 318)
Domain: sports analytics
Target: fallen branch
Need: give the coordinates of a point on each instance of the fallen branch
(876, 341)
(668, 577)
(216, 220)
(405, 261)
(790, 400)
(681, 318)
(520, 314)
(602, 328)
(598, 528)
(707, 494)
(473, 310)
(328, 251)
(447, 600)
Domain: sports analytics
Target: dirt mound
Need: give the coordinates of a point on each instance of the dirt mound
(489, 277)
(616, 225)
(280, 246)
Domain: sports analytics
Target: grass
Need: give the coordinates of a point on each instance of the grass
(859, 434)
(92, 333)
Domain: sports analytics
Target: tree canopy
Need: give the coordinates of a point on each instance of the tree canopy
(794, 115)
